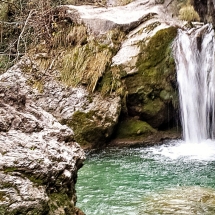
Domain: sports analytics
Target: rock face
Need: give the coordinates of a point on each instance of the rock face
(102, 65)
(206, 10)
(154, 94)
(39, 159)
(144, 60)
(108, 64)
(91, 116)
(142, 67)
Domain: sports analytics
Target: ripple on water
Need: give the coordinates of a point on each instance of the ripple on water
(152, 180)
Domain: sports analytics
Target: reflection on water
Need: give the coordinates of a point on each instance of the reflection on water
(153, 180)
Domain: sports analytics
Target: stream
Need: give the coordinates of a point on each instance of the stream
(174, 178)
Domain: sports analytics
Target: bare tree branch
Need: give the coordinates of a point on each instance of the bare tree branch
(11, 23)
(23, 30)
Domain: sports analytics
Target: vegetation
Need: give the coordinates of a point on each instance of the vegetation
(60, 203)
(155, 65)
(91, 132)
(53, 41)
(24, 24)
(188, 13)
(85, 64)
(155, 74)
(133, 129)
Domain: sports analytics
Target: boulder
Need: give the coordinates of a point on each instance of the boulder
(132, 129)
(39, 158)
(91, 116)
(151, 89)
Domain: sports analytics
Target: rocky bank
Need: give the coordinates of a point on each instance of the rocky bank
(39, 158)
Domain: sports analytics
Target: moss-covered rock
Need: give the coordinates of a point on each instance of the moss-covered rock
(60, 203)
(151, 90)
(133, 129)
(90, 129)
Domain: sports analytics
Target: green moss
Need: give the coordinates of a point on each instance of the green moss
(2, 210)
(155, 64)
(168, 95)
(6, 185)
(88, 129)
(133, 128)
(106, 84)
(60, 202)
(10, 169)
(155, 50)
(34, 179)
(152, 107)
(152, 88)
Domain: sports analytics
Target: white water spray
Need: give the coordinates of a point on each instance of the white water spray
(194, 55)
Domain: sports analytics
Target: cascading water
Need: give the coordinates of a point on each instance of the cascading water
(194, 55)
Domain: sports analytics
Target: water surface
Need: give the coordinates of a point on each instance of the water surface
(175, 178)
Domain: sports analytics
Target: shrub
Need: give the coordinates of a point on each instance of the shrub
(188, 13)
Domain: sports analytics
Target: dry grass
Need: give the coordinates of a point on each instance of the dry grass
(39, 86)
(84, 65)
(77, 35)
(123, 2)
(80, 59)
(188, 13)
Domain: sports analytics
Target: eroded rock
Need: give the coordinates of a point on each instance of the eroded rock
(39, 159)
(64, 103)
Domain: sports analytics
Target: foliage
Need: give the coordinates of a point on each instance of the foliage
(189, 14)
(111, 82)
(27, 23)
(84, 64)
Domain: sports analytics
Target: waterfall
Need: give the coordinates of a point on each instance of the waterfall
(194, 55)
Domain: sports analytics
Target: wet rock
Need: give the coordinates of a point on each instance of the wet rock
(133, 129)
(152, 88)
(206, 10)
